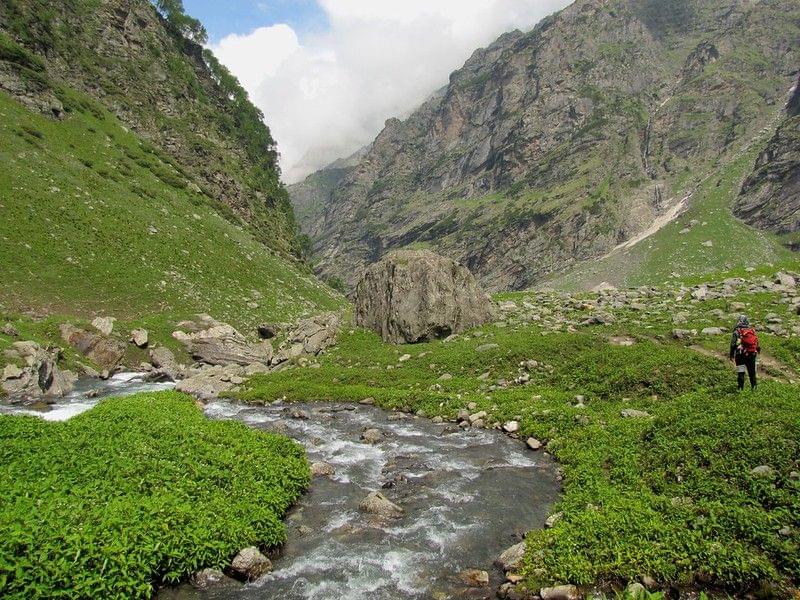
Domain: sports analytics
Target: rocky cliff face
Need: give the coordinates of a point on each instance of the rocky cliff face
(770, 196)
(553, 146)
(163, 87)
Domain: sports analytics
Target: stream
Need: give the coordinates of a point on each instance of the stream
(467, 496)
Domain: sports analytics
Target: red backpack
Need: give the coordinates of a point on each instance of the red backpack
(748, 340)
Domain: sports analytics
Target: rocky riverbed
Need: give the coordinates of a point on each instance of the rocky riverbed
(455, 500)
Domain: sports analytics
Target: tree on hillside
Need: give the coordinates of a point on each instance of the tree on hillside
(175, 15)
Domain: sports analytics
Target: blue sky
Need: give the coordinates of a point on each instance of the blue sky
(243, 16)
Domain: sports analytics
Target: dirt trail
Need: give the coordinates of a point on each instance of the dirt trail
(768, 366)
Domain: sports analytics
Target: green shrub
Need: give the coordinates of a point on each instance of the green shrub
(136, 491)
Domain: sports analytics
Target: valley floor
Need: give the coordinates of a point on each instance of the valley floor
(671, 477)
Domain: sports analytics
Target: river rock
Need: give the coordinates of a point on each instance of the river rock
(511, 559)
(511, 426)
(560, 592)
(533, 443)
(164, 360)
(416, 295)
(251, 564)
(322, 469)
(372, 436)
(104, 351)
(377, 504)
(104, 325)
(40, 377)
(208, 383)
(139, 337)
(215, 343)
(475, 577)
(209, 578)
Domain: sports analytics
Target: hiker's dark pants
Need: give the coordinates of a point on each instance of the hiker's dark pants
(746, 362)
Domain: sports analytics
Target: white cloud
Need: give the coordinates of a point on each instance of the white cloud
(329, 94)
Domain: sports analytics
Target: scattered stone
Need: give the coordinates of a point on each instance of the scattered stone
(251, 564)
(631, 413)
(372, 436)
(322, 469)
(104, 325)
(681, 334)
(478, 416)
(301, 415)
(553, 519)
(708, 244)
(762, 471)
(560, 592)
(416, 295)
(404, 358)
(713, 331)
(533, 444)
(445, 377)
(785, 280)
(511, 558)
(377, 504)
(475, 577)
(267, 331)
(9, 330)
(486, 347)
(208, 578)
(511, 426)
(635, 591)
(648, 582)
(785, 531)
(368, 401)
(140, 338)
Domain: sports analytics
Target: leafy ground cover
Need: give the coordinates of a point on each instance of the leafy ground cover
(671, 495)
(137, 491)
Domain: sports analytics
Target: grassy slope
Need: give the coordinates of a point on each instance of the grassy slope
(671, 497)
(95, 222)
(671, 255)
(101, 506)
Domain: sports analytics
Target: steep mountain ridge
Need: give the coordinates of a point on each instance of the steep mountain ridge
(770, 196)
(136, 179)
(554, 146)
(167, 89)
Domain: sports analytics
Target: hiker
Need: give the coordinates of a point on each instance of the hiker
(744, 350)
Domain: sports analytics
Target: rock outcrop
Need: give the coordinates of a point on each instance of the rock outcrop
(102, 350)
(310, 336)
(417, 295)
(214, 343)
(40, 377)
(770, 196)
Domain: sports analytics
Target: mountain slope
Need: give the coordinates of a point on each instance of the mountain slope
(110, 203)
(555, 146)
(770, 197)
(160, 85)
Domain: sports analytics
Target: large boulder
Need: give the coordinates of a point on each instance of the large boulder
(214, 343)
(39, 377)
(102, 350)
(310, 336)
(417, 295)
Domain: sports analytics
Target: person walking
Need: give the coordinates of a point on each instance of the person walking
(744, 350)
